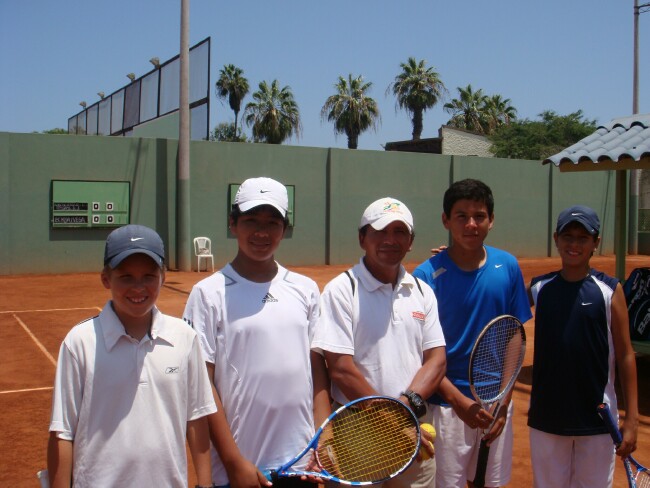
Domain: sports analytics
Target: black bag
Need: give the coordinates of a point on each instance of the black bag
(637, 296)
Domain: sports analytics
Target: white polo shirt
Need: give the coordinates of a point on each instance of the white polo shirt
(386, 330)
(258, 336)
(125, 403)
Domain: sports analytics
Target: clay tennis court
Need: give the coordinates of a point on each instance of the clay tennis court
(36, 311)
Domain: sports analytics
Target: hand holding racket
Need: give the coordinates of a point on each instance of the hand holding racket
(637, 474)
(494, 365)
(366, 441)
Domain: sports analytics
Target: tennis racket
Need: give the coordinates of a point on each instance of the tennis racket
(494, 364)
(366, 441)
(42, 476)
(637, 475)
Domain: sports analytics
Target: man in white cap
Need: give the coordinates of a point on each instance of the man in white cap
(255, 320)
(379, 329)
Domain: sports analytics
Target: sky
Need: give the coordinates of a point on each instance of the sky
(560, 55)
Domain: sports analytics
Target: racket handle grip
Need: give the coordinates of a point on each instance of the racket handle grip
(43, 477)
(606, 414)
(481, 464)
(270, 474)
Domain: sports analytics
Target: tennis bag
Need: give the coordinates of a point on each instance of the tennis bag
(637, 296)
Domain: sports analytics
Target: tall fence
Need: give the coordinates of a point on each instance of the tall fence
(331, 188)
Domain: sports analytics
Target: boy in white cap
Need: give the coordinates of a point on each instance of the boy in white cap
(581, 335)
(130, 383)
(256, 320)
(379, 328)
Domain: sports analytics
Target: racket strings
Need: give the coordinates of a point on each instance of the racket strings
(496, 359)
(642, 479)
(371, 443)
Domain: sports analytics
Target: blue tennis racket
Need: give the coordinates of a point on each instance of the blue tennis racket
(637, 474)
(366, 441)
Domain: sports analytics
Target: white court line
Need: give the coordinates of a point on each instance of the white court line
(51, 310)
(27, 390)
(36, 341)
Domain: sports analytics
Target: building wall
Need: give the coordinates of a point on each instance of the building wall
(332, 188)
(463, 143)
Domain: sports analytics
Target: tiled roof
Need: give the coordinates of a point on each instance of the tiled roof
(622, 138)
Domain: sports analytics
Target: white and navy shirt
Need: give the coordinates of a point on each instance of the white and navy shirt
(574, 366)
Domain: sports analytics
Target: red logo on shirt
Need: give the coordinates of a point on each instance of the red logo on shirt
(421, 316)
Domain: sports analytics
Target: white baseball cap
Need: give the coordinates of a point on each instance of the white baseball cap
(382, 212)
(262, 191)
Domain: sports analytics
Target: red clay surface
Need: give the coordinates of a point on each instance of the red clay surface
(36, 311)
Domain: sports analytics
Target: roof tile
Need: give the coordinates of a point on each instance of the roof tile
(625, 137)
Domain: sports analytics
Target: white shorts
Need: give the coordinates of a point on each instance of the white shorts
(419, 474)
(572, 461)
(457, 448)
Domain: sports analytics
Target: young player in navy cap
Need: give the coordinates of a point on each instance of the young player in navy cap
(131, 384)
(581, 336)
(256, 321)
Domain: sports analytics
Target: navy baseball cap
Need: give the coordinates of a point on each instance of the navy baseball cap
(581, 214)
(133, 239)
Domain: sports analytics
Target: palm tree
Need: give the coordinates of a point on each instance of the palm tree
(274, 115)
(499, 112)
(417, 89)
(468, 111)
(351, 110)
(232, 85)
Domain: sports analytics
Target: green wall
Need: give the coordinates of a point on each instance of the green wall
(332, 188)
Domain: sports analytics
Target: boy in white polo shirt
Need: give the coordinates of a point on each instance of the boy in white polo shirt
(379, 327)
(130, 385)
(256, 320)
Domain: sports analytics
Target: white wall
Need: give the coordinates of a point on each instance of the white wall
(462, 143)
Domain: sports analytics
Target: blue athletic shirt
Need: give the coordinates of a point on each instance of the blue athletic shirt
(573, 363)
(468, 300)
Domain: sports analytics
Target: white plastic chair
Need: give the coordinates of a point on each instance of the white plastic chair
(203, 250)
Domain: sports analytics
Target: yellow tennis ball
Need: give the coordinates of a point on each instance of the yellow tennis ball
(431, 430)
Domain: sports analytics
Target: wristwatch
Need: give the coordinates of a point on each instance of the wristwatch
(415, 401)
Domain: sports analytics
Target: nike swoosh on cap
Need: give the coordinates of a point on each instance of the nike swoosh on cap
(575, 214)
(133, 239)
(264, 191)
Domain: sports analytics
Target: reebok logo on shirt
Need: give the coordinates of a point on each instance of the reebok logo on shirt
(269, 298)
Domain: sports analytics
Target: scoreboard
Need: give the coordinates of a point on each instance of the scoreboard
(90, 203)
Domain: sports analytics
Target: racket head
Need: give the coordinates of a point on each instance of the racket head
(369, 440)
(496, 359)
(642, 477)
